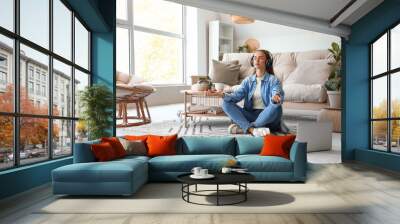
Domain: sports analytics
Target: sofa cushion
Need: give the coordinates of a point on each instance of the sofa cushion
(257, 163)
(224, 73)
(310, 72)
(244, 72)
(116, 145)
(161, 145)
(275, 145)
(185, 163)
(249, 145)
(112, 171)
(315, 93)
(195, 145)
(103, 152)
(123, 77)
(312, 55)
(243, 58)
(130, 158)
(83, 152)
(283, 64)
(134, 147)
(136, 137)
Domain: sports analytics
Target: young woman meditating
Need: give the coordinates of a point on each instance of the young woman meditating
(263, 96)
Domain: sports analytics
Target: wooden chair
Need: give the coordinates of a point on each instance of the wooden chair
(135, 94)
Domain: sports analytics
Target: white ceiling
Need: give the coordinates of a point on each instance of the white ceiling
(319, 9)
(314, 15)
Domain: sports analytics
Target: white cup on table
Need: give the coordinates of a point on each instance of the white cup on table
(219, 86)
(203, 172)
(196, 170)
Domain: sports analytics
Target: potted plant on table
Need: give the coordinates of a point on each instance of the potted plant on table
(96, 102)
(333, 84)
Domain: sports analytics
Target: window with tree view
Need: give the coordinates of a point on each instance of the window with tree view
(385, 94)
(150, 40)
(38, 81)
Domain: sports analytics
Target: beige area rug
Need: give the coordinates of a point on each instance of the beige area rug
(200, 126)
(166, 198)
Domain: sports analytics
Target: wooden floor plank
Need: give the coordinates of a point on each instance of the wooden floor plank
(377, 192)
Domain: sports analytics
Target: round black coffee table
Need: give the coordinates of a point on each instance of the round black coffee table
(238, 179)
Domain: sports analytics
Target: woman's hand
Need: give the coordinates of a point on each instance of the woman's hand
(276, 98)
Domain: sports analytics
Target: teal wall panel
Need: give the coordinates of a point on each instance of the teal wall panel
(356, 83)
(24, 178)
(376, 158)
(99, 16)
(103, 64)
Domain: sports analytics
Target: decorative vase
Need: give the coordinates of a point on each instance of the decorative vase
(334, 99)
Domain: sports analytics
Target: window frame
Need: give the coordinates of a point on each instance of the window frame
(131, 27)
(388, 74)
(15, 72)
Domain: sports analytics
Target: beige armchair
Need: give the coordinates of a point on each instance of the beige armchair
(131, 89)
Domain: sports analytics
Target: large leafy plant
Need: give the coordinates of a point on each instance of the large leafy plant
(96, 103)
(335, 78)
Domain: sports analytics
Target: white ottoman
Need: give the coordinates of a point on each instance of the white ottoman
(318, 135)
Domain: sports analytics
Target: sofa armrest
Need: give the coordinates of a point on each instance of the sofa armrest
(196, 78)
(298, 155)
(83, 152)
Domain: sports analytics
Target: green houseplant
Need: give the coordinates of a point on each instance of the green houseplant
(243, 49)
(96, 103)
(333, 84)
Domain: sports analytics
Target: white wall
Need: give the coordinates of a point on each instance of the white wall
(278, 38)
(196, 56)
(197, 39)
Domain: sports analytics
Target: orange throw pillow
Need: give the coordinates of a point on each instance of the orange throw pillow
(103, 152)
(275, 145)
(136, 137)
(161, 145)
(116, 145)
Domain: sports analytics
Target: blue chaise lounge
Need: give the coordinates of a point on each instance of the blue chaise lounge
(125, 176)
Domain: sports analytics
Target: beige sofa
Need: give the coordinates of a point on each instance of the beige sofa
(302, 75)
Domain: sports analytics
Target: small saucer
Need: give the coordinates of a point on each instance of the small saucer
(208, 176)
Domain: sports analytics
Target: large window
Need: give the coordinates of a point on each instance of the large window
(385, 92)
(40, 80)
(150, 40)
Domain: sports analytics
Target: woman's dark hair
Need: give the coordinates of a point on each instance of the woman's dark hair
(268, 65)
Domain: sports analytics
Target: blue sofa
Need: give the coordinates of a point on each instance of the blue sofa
(125, 176)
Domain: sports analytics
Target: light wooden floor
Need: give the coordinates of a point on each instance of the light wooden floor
(378, 189)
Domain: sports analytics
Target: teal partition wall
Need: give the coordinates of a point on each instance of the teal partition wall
(356, 83)
(24, 178)
(103, 53)
(103, 64)
(99, 16)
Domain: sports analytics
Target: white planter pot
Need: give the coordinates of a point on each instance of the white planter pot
(334, 99)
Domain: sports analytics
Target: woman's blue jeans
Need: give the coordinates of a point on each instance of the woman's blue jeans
(269, 117)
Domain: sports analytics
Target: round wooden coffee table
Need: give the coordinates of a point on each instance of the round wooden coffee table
(238, 179)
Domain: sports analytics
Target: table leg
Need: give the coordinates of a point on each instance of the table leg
(185, 108)
(217, 194)
(245, 193)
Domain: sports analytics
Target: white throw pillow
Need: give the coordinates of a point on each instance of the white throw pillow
(310, 72)
(315, 93)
